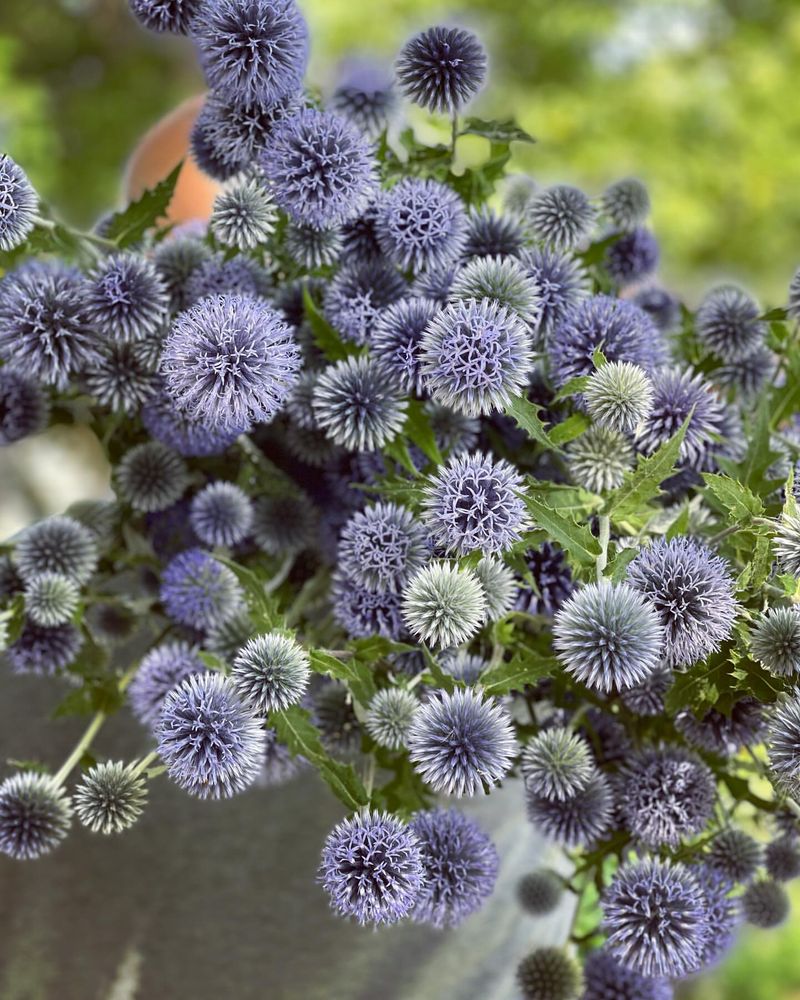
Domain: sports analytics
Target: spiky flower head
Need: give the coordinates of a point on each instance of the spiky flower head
(633, 256)
(735, 854)
(238, 275)
(333, 714)
(608, 636)
(165, 15)
(444, 605)
(221, 514)
(492, 234)
(357, 296)
(390, 715)
(227, 638)
(382, 546)
(499, 586)
(549, 974)
(24, 407)
(661, 306)
(783, 743)
(284, 522)
(691, 590)
(775, 641)
(397, 338)
(551, 579)
(58, 544)
(244, 215)
(607, 979)
(161, 670)
(460, 863)
(364, 95)
(539, 892)
(420, 223)
(198, 591)
(720, 733)
(271, 672)
(127, 299)
(230, 361)
(748, 375)
(626, 203)
(312, 248)
(793, 303)
(371, 868)
(464, 666)
(435, 283)
(728, 323)
(577, 821)
(786, 543)
(151, 476)
(561, 217)
(557, 764)
(765, 904)
(619, 396)
(110, 797)
(189, 436)
(35, 815)
(358, 404)
(461, 743)
(441, 69)
(44, 651)
(252, 51)
(18, 204)
(476, 355)
(678, 395)
(362, 612)
(562, 282)
(782, 858)
(655, 916)
(51, 599)
(647, 698)
(176, 258)
(599, 459)
(503, 279)
(123, 377)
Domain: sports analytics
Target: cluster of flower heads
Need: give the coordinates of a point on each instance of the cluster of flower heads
(413, 484)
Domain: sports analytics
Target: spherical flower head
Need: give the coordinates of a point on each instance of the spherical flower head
(499, 587)
(320, 169)
(58, 544)
(444, 605)
(460, 864)
(476, 356)
(735, 855)
(244, 215)
(441, 69)
(782, 859)
(46, 331)
(748, 375)
(608, 636)
(358, 404)
(24, 407)
(51, 599)
(557, 764)
(252, 51)
(720, 734)
(364, 94)
(661, 306)
(578, 821)
(492, 234)
(284, 523)
(397, 339)
(454, 432)
(382, 547)
(312, 248)
(765, 904)
(464, 666)
(226, 639)
(151, 477)
(271, 672)
(656, 919)
(239, 275)
(230, 361)
(633, 256)
(786, 544)
(198, 591)
(127, 298)
(503, 279)
(691, 590)
(161, 670)
(35, 815)
(561, 217)
(362, 612)
(333, 714)
(728, 323)
(390, 715)
(123, 378)
(626, 204)
(165, 15)
(190, 437)
(176, 259)
(607, 979)
(793, 303)
(552, 581)
(44, 651)
(371, 868)
(110, 797)
(18, 205)
(647, 698)
(221, 514)
(435, 283)
(619, 396)
(599, 459)
(775, 641)
(358, 295)
(540, 892)
(549, 974)
(420, 223)
(562, 281)
(783, 743)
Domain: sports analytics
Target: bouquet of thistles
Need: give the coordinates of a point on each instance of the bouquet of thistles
(424, 482)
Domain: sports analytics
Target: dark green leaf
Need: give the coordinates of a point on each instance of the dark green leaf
(325, 337)
(569, 429)
(740, 503)
(576, 539)
(419, 431)
(504, 131)
(129, 226)
(516, 673)
(574, 387)
(644, 482)
(526, 415)
(356, 674)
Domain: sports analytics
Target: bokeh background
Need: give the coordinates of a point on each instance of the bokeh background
(696, 97)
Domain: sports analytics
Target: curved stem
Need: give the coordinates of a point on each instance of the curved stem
(144, 763)
(81, 747)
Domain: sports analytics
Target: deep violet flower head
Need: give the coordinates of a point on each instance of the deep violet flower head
(444, 605)
(557, 764)
(358, 404)
(539, 892)
(238, 275)
(161, 670)
(728, 323)
(561, 217)
(782, 858)
(110, 797)
(24, 407)
(124, 376)
(358, 295)
(271, 672)
(720, 733)
(371, 868)
(492, 234)
(44, 650)
(660, 305)
(420, 223)
(577, 821)
(35, 815)
(188, 436)
(549, 973)
(389, 718)
(678, 395)
(18, 204)
(365, 95)
(57, 544)
(735, 854)
(198, 591)
(607, 979)
(562, 282)
(551, 581)
(633, 256)
(284, 522)
(151, 476)
(165, 15)
(626, 203)
(722, 913)
(441, 69)
(397, 338)
(765, 904)
(647, 698)
(460, 864)
(127, 299)
(221, 514)
(362, 612)
(382, 546)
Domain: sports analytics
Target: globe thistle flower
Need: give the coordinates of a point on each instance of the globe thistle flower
(357, 403)
(783, 743)
(310, 445)
(252, 51)
(464, 666)
(123, 377)
(561, 217)
(212, 743)
(110, 624)
(163, 669)
(499, 587)
(662, 307)
(793, 303)
(721, 734)
(238, 275)
(503, 279)
(230, 361)
(765, 904)
(476, 356)
(608, 636)
(362, 612)
(562, 282)
(677, 396)
(57, 544)
(728, 323)
(691, 590)
(607, 979)
(188, 436)
(226, 639)
(749, 374)
(371, 868)
(221, 514)
(621, 330)
(443, 605)
(619, 396)
(365, 96)
(775, 641)
(44, 651)
(633, 256)
(549, 974)
(441, 69)
(540, 892)
(170, 532)
(35, 815)
(397, 339)
(18, 205)
(382, 547)
(551, 578)
(198, 591)
(332, 713)
(284, 523)
(722, 913)
(24, 407)
(390, 715)
(435, 283)
(655, 916)
(313, 248)
(271, 672)
(492, 234)
(557, 764)
(454, 432)
(647, 698)
(320, 169)
(786, 544)
(176, 259)
(420, 223)
(151, 476)
(578, 821)
(460, 865)
(244, 215)
(461, 743)
(165, 15)
(51, 599)
(127, 299)
(782, 859)
(110, 797)
(626, 204)
(358, 295)
(518, 192)
(599, 459)
(45, 327)
(735, 855)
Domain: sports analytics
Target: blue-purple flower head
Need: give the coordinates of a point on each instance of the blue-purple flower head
(722, 912)
(723, 734)
(382, 546)
(44, 651)
(230, 361)
(198, 591)
(561, 217)
(677, 395)
(358, 295)
(57, 544)
(221, 514)
(420, 223)
(551, 581)
(18, 204)
(362, 612)
(728, 323)
(161, 670)
(783, 743)
(238, 275)
(441, 69)
(460, 864)
(124, 377)
(661, 306)
(365, 95)
(35, 815)
(320, 169)
(577, 821)
(397, 339)
(189, 436)
(691, 590)
(358, 404)
(647, 698)
(633, 256)
(492, 234)
(444, 605)
(252, 51)
(174, 16)
(562, 282)
(371, 868)
(24, 407)
(626, 203)
(607, 979)
(127, 298)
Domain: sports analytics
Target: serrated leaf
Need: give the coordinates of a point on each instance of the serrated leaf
(439, 677)
(263, 607)
(504, 131)
(569, 429)
(563, 497)
(739, 502)
(325, 337)
(644, 482)
(574, 387)
(356, 674)
(526, 415)
(522, 669)
(576, 539)
(129, 226)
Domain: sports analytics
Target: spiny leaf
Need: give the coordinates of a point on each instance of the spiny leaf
(522, 669)
(576, 539)
(504, 131)
(644, 482)
(740, 503)
(526, 415)
(355, 673)
(569, 429)
(129, 226)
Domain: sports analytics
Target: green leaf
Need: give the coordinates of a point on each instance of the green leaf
(574, 387)
(356, 674)
(564, 497)
(14, 618)
(439, 677)
(212, 661)
(526, 415)
(325, 337)
(263, 606)
(419, 431)
(516, 673)
(576, 539)
(130, 225)
(504, 131)
(644, 482)
(740, 503)
(569, 429)
(774, 314)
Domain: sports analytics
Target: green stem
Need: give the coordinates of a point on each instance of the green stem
(81, 747)
(144, 763)
(603, 538)
(453, 133)
(369, 777)
(285, 569)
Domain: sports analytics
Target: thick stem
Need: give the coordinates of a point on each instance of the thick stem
(285, 569)
(144, 763)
